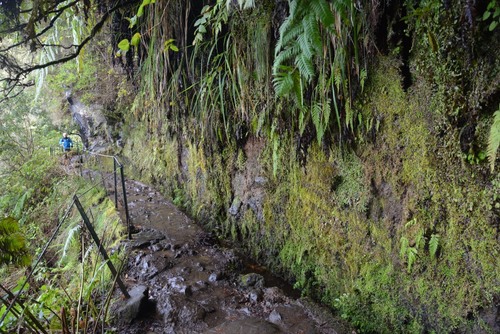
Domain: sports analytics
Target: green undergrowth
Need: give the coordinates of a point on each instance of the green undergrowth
(69, 288)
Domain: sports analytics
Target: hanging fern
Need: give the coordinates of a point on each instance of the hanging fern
(494, 139)
(286, 81)
(300, 38)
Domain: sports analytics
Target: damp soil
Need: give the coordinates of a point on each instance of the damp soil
(196, 285)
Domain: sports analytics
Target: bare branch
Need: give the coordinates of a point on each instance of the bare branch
(43, 31)
(17, 73)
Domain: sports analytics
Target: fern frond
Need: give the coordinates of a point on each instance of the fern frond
(433, 245)
(305, 66)
(305, 46)
(284, 56)
(322, 10)
(285, 26)
(494, 139)
(312, 32)
(69, 238)
(287, 37)
(283, 81)
(290, 36)
(316, 112)
(404, 247)
(412, 257)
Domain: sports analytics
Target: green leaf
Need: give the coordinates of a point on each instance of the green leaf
(140, 11)
(433, 245)
(412, 256)
(494, 139)
(124, 45)
(493, 25)
(486, 15)
(404, 246)
(432, 41)
(169, 45)
(135, 39)
(201, 20)
(13, 247)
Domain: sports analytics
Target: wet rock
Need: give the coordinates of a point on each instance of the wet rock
(245, 311)
(186, 290)
(275, 317)
(177, 284)
(294, 319)
(251, 280)
(156, 248)
(190, 313)
(138, 258)
(255, 296)
(245, 326)
(214, 277)
(166, 307)
(200, 286)
(273, 295)
(235, 206)
(128, 310)
(260, 180)
(146, 238)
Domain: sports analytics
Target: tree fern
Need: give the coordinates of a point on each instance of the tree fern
(494, 139)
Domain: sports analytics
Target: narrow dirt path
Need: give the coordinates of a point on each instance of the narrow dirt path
(197, 286)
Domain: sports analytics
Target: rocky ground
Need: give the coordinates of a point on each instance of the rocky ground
(191, 284)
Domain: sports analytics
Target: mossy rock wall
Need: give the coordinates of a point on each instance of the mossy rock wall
(399, 235)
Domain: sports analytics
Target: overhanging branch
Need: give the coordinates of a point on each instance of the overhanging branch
(17, 73)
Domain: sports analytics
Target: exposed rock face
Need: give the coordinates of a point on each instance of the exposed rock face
(248, 184)
(91, 122)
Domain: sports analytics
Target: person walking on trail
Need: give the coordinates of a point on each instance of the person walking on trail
(66, 143)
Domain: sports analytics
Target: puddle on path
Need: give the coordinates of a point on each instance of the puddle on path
(198, 286)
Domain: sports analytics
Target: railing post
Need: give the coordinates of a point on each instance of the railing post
(81, 161)
(125, 203)
(101, 248)
(101, 168)
(116, 184)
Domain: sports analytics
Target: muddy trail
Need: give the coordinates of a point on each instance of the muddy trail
(191, 284)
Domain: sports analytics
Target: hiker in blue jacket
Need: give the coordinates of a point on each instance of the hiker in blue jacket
(66, 143)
